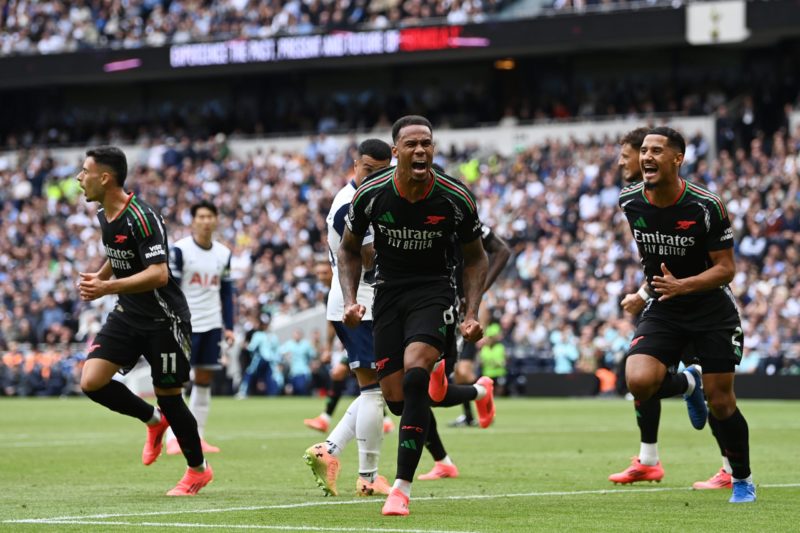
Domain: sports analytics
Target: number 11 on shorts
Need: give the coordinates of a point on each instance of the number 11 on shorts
(169, 364)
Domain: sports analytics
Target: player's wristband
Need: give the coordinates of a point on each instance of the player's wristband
(643, 294)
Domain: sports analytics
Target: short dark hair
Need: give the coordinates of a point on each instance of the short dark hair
(113, 158)
(634, 137)
(674, 139)
(376, 149)
(409, 120)
(203, 204)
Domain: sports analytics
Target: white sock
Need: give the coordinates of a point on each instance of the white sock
(200, 405)
(345, 430)
(446, 461)
(481, 391)
(325, 416)
(369, 430)
(403, 485)
(749, 479)
(690, 380)
(726, 465)
(648, 453)
(156, 418)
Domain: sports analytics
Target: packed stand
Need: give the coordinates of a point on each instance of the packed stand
(49, 27)
(554, 309)
(294, 107)
(583, 6)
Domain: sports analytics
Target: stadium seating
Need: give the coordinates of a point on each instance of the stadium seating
(555, 203)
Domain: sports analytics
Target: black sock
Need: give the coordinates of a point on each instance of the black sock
(119, 398)
(735, 436)
(335, 392)
(713, 423)
(434, 442)
(672, 385)
(413, 422)
(184, 425)
(648, 415)
(457, 394)
(469, 417)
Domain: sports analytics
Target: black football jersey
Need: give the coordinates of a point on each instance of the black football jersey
(413, 241)
(458, 258)
(135, 239)
(681, 235)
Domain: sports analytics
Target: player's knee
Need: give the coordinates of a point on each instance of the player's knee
(464, 374)
(91, 383)
(415, 382)
(396, 408)
(641, 389)
(721, 405)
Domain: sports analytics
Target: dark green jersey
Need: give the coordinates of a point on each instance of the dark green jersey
(680, 235)
(413, 241)
(135, 239)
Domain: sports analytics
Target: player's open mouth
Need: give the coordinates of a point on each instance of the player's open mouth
(649, 170)
(419, 165)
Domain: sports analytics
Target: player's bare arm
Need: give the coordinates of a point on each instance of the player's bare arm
(153, 277)
(499, 254)
(721, 273)
(476, 265)
(368, 256)
(348, 261)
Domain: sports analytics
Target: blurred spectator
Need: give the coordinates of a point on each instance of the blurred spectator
(299, 353)
(492, 356)
(50, 27)
(555, 203)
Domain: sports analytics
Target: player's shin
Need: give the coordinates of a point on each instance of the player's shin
(735, 437)
(413, 422)
(184, 425)
(369, 432)
(117, 397)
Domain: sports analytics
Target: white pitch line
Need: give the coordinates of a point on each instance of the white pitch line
(243, 526)
(612, 492)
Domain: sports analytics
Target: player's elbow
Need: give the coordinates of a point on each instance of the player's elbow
(503, 255)
(162, 279)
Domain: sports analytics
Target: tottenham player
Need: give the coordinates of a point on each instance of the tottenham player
(364, 417)
(151, 317)
(202, 267)
(685, 239)
(414, 213)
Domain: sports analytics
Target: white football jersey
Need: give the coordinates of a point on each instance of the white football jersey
(336, 225)
(201, 273)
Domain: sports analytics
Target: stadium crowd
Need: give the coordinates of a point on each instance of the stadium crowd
(49, 27)
(556, 305)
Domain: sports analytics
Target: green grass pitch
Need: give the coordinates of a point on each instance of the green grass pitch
(71, 465)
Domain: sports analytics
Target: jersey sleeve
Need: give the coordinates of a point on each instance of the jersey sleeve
(357, 219)
(176, 262)
(226, 293)
(486, 235)
(720, 233)
(151, 239)
(470, 227)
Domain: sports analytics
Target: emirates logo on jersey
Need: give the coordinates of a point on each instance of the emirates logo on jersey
(685, 224)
